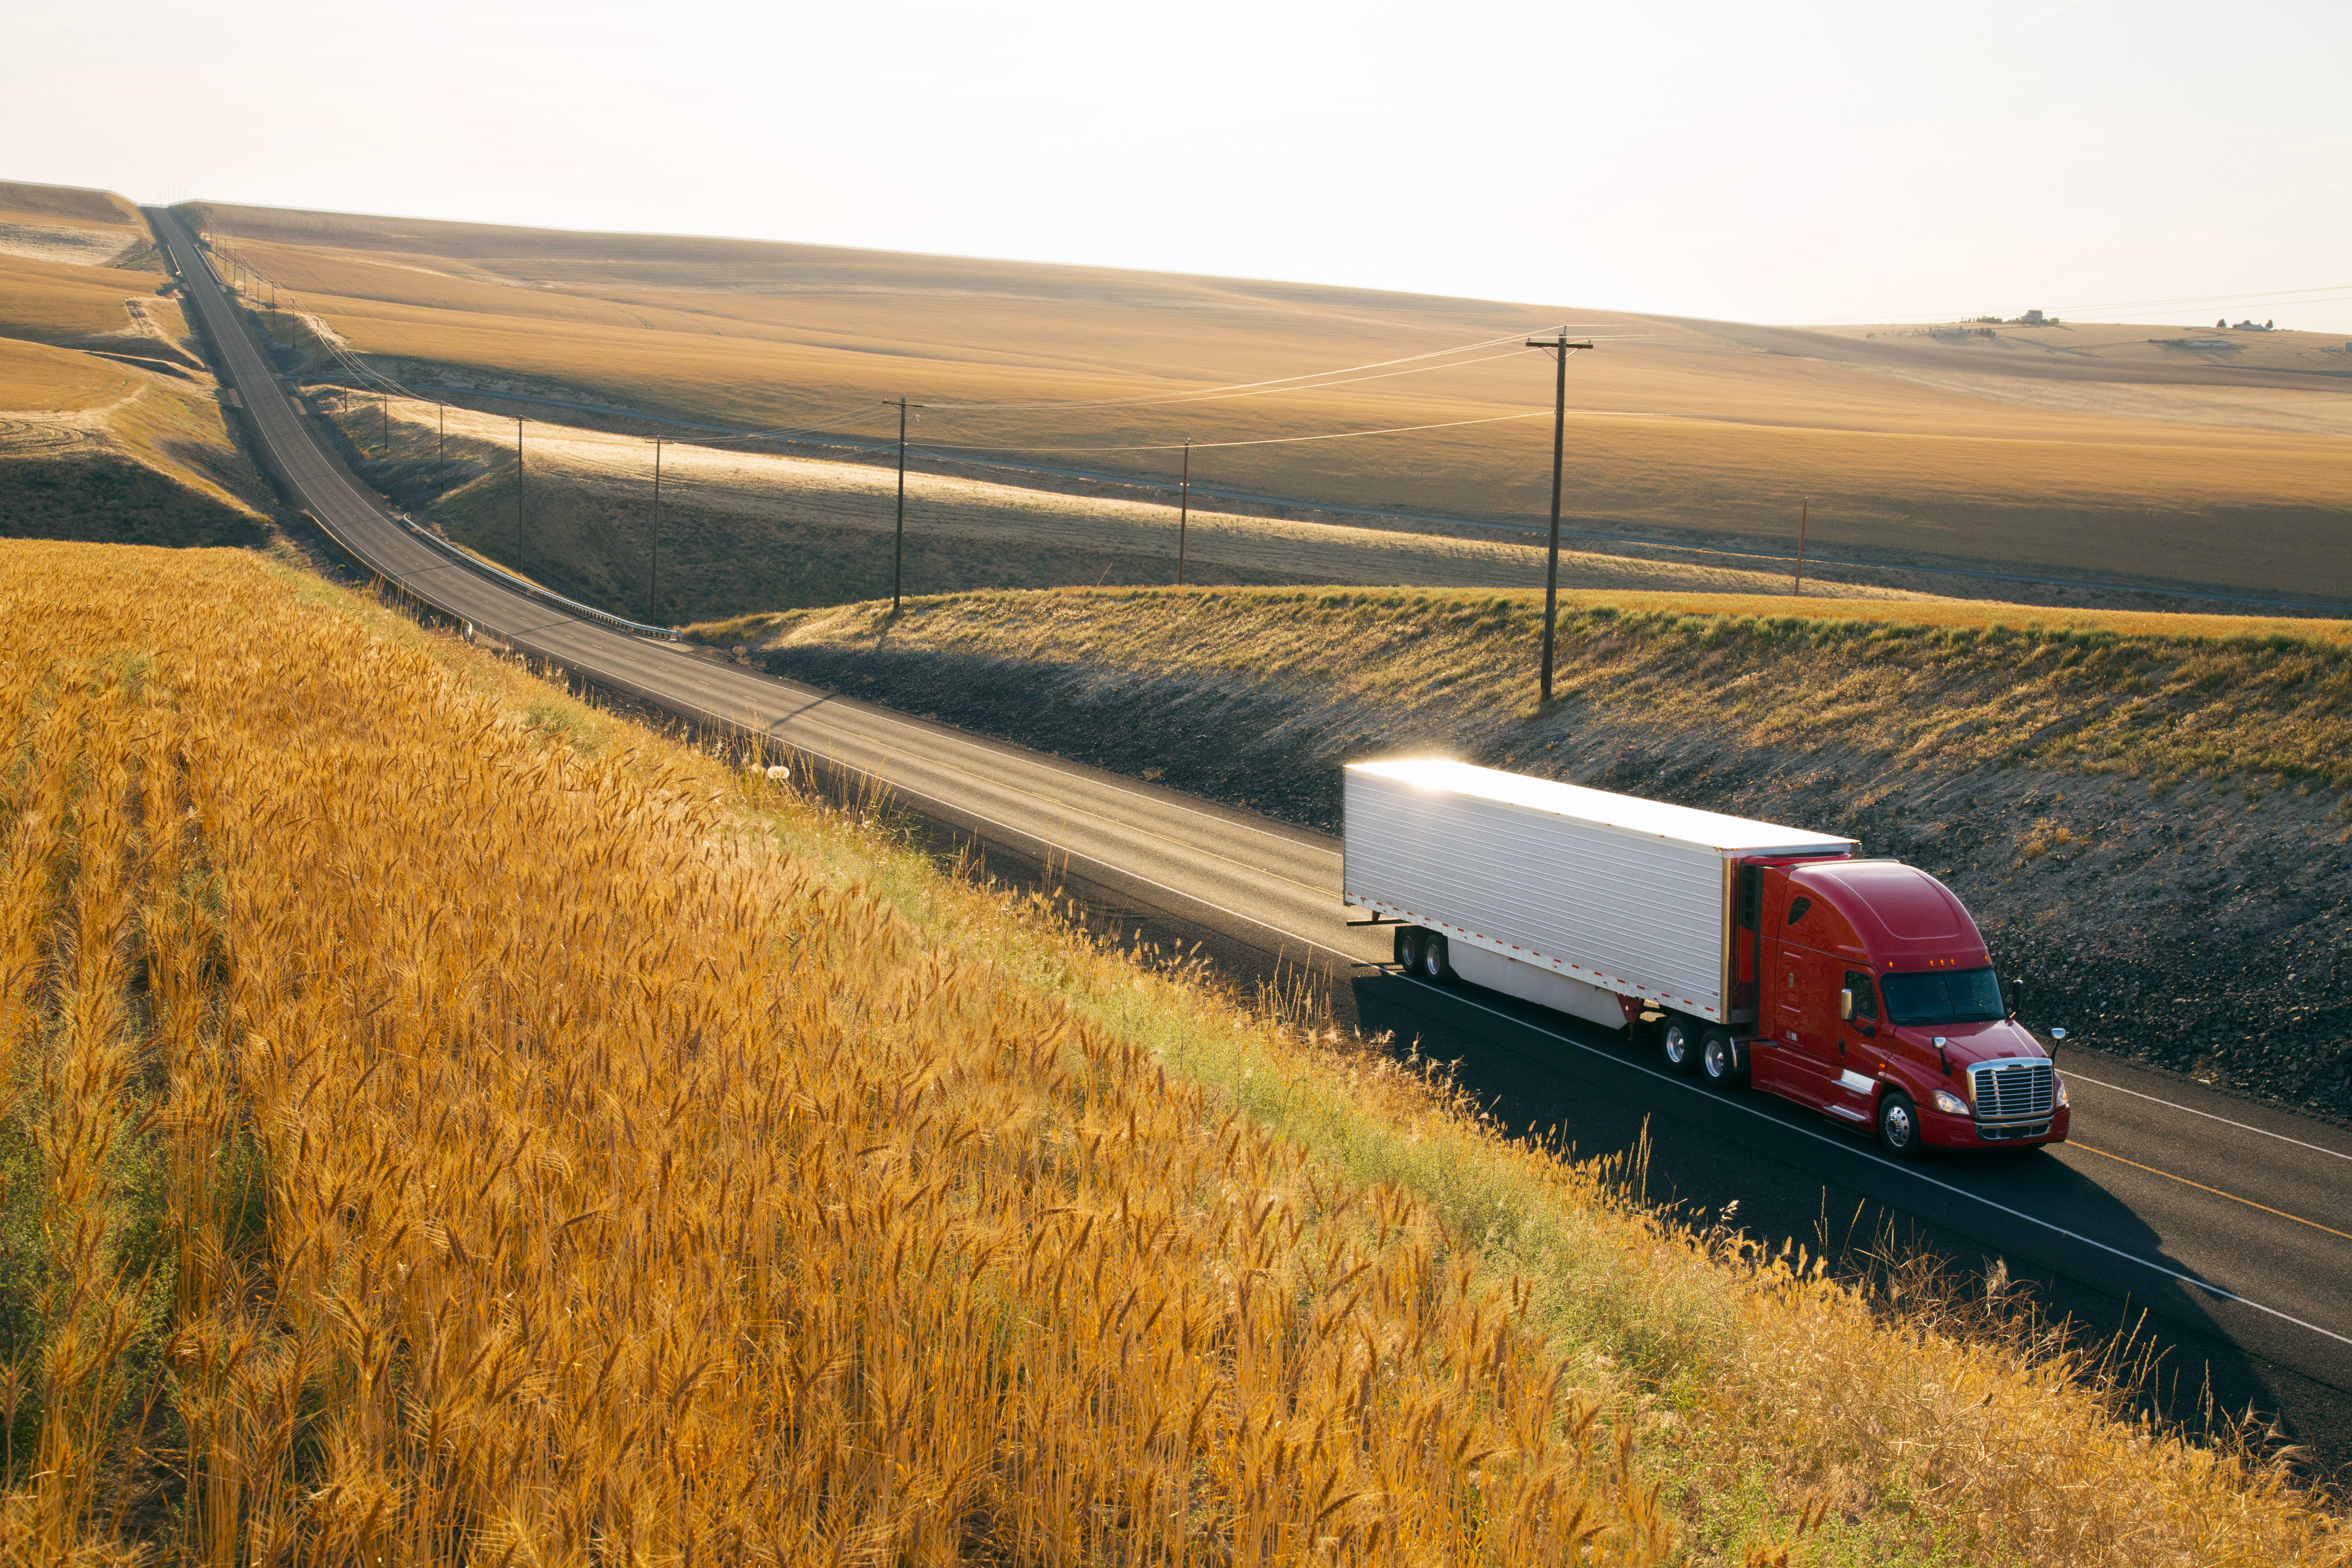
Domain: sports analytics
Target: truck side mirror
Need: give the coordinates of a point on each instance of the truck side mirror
(1845, 1005)
(2016, 998)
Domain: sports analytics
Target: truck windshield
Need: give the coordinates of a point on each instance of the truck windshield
(1946, 996)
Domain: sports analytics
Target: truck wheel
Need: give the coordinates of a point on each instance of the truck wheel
(1434, 968)
(1681, 1044)
(1898, 1124)
(1719, 1059)
(1408, 947)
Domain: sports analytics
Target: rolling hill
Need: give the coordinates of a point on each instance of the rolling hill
(110, 426)
(2087, 453)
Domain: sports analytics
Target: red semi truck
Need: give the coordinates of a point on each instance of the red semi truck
(1764, 955)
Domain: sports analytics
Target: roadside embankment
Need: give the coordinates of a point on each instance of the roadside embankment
(2148, 813)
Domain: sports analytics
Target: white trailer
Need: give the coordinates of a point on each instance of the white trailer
(1593, 903)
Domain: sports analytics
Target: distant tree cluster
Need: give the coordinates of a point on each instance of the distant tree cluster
(2031, 319)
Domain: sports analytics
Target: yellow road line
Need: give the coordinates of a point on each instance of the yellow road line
(2151, 1170)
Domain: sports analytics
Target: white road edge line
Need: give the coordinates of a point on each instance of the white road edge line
(1880, 1160)
(2074, 1077)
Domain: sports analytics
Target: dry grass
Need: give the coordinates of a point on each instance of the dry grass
(2167, 696)
(1677, 425)
(448, 1124)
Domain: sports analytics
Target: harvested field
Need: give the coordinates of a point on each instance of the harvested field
(2052, 768)
(58, 381)
(95, 309)
(451, 1125)
(2224, 471)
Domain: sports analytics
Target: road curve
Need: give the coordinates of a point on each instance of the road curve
(2231, 1225)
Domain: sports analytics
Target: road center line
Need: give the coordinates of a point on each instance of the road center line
(2074, 1077)
(2201, 1187)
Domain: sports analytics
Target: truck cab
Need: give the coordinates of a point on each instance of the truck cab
(1874, 1001)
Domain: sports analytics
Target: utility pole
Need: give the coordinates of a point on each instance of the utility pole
(653, 593)
(1184, 510)
(899, 544)
(1560, 345)
(441, 462)
(1803, 517)
(384, 411)
(518, 493)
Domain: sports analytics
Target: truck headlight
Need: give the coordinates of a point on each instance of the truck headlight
(2061, 1091)
(1950, 1104)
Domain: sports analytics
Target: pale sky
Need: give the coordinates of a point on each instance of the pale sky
(1783, 162)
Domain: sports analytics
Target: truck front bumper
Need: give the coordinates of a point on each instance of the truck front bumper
(1943, 1131)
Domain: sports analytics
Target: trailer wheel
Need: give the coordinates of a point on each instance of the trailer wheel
(1435, 967)
(1680, 1043)
(1898, 1124)
(1408, 947)
(1719, 1059)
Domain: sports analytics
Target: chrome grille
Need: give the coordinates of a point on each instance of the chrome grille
(2008, 1090)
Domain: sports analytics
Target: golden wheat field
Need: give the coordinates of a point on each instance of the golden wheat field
(2086, 449)
(443, 1123)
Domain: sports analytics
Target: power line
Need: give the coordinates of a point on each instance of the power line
(1347, 381)
(1203, 392)
(938, 450)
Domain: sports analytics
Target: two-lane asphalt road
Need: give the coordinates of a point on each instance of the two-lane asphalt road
(2231, 1225)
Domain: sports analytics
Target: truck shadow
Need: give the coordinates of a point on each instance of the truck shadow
(1790, 1178)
